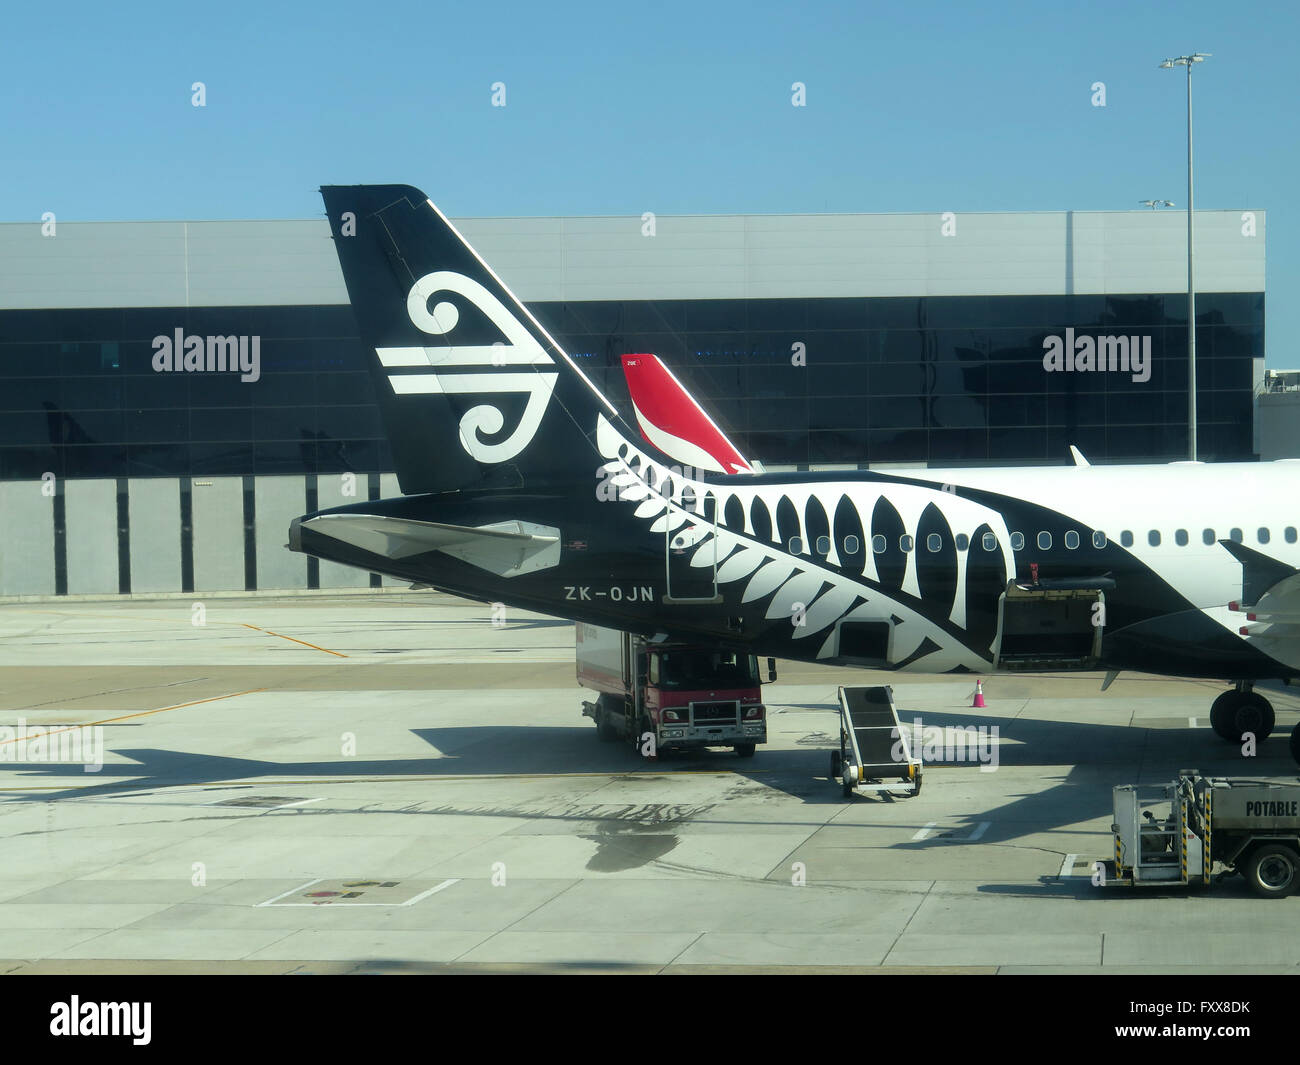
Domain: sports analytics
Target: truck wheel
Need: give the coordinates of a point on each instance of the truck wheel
(745, 750)
(1272, 871)
(836, 765)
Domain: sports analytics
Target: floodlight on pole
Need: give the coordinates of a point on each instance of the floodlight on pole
(1189, 61)
(1153, 204)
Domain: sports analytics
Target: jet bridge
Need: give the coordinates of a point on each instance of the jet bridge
(875, 752)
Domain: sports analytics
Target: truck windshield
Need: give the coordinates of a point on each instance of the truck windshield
(688, 670)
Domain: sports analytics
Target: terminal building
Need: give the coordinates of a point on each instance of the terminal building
(818, 341)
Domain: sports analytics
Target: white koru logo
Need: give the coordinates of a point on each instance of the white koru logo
(521, 350)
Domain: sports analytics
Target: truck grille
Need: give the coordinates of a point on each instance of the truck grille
(714, 713)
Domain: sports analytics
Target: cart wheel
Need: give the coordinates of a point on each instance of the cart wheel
(917, 790)
(836, 765)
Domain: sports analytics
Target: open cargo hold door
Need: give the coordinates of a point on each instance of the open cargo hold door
(1056, 624)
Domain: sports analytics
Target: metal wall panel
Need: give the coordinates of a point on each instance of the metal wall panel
(91, 518)
(26, 539)
(271, 263)
(154, 508)
(218, 523)
(279, 501)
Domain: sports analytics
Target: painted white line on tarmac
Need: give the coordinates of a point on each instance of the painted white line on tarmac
(291, 891)
(431, 891)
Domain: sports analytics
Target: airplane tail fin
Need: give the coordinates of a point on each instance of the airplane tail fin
(673, 422)
(473, 390)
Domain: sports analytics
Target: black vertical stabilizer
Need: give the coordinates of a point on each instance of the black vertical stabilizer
(472, 389)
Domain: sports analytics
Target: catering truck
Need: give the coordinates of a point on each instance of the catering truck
(670, 695)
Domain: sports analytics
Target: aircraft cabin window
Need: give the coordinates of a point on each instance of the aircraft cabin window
(905, 543)
(1180, 537)
(989, 542)
(1207, 536)
(796, 545)
(963, 541)
(1017, 541)
(823, 545)
(1290, 534)
(934, 542)
(1098, 539)
(1044, 541)
(1153, 537)
(1235, 536)
(1071, 540)
(878, 544)
(850, 545)
(1263, 536)
(1126, 538)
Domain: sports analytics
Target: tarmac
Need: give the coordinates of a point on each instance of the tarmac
(405, 783)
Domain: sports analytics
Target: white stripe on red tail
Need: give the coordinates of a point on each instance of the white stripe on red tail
(672, 421)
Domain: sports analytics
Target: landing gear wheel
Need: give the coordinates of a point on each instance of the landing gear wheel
(1272, 871)
(745, 750)
(1234, 713)
(837, 764)
(846, 790)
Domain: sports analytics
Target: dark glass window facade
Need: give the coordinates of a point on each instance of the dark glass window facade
(945, 380)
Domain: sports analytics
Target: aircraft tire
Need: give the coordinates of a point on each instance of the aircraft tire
(1234, 713)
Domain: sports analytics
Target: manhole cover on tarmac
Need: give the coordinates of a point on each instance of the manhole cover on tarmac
(358, 891)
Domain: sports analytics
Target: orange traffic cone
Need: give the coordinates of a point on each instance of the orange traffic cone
(979, 693)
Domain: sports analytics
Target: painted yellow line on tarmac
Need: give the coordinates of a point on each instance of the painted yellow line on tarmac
(337, 654)
(140, 713)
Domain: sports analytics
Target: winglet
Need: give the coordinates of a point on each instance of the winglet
(671, 419)
(1079, 460)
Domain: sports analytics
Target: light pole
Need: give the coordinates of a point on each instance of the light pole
(1189, 61)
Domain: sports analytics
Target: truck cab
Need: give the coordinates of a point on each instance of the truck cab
(672, 695)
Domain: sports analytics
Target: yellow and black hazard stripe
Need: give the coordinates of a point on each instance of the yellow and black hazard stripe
(1182, 862)
(1206, 860)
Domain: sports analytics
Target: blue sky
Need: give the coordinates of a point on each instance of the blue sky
(671, 107)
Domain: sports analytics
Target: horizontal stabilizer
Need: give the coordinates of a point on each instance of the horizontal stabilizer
(1259, 573)
(506, 548)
